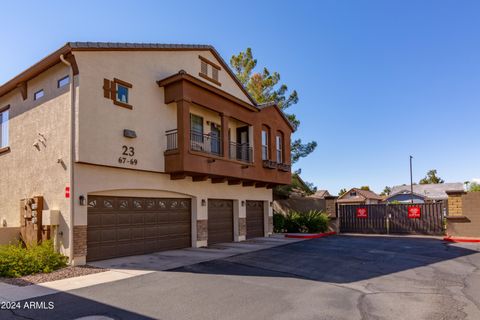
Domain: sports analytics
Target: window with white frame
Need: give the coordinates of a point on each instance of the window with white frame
(264, 144)
(4, 117)
(279, 143)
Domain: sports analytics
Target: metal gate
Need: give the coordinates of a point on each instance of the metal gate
(393, 218)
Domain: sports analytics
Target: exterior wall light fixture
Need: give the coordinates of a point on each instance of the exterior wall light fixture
(204, 202)
(243, 203)
(82, 200)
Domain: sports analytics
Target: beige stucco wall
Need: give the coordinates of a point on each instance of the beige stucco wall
(27, 171)
(101, 123)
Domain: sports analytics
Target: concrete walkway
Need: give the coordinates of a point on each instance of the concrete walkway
(128, 267)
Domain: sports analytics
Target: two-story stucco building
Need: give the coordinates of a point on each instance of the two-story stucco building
(140, 148)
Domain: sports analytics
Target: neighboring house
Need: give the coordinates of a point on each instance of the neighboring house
(422, 193)
(320, 194)
(141, 148)
(359, 196)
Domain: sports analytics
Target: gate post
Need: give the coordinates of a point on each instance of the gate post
(388, 217)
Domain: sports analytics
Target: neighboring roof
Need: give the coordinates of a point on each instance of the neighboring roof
(54, 58)
(430, 191)
(320, 194)
(362, 195)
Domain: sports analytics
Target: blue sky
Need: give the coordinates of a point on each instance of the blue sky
(377, 80)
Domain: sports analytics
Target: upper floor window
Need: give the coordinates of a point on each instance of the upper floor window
(4, 118)
(63, 82)
(264, 144)
(118, 91)
(39, 94)
(122, 93)
(209, 70)
(279, 145)
(353, 194)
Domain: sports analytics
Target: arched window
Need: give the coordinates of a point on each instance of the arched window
(279, 140)
(265, 142)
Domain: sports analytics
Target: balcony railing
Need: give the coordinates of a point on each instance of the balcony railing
(172, 139)
(207, 143)
(241, 152)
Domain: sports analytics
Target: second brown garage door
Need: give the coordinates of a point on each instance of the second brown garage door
(124, 226)
(255, 223)
(220, 221)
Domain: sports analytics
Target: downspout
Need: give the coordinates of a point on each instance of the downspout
(72, 157)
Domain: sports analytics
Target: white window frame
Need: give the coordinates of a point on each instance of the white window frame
(4, 130)
(264, 144)
(279, 145)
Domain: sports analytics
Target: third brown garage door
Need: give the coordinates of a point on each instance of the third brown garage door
(220, 221)
(255, 223)
(123, 226)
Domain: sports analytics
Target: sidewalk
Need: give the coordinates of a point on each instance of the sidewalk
(128, 267)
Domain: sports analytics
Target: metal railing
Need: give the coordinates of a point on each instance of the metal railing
(241, 152)
(172, 139)
(206, 143)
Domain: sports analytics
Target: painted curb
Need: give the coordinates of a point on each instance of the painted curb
(310, 236)
(454, 239)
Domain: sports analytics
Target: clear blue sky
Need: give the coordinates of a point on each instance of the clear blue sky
(377, 80)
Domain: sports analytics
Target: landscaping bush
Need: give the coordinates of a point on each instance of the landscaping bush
(294, 222)
(313, 221)
(278, 222)
(17, 261)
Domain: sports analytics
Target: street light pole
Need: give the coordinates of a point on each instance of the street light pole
(411, 179)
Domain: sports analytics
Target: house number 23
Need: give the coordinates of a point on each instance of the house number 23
(128, 151)
(127, 154)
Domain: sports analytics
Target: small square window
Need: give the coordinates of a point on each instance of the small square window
(122, 94)
(63, 82)
(39, 94)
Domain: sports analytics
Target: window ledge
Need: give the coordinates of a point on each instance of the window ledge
(210, 79)
(121, 104)
(4, 150)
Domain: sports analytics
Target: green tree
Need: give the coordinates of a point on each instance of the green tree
(386, 191)
(432, 178)
(342, 191)
(265, 87)
(367, 188)
(474, 187)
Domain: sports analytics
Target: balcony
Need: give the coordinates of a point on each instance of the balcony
(212, 145)
(218, 137)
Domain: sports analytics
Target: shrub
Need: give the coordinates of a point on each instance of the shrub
(17, 261)
(314, 221)
(278, 222)
(293, 221)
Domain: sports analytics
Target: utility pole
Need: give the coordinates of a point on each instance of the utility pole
(411, 179)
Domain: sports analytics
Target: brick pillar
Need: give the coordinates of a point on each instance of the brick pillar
(79, 245)
(455, 202)
(331, 209)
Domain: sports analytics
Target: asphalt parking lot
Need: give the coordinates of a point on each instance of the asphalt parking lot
(340, 277)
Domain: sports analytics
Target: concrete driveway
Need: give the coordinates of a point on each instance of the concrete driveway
(341, 277)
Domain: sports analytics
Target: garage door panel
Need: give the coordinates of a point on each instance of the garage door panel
(220, 221)
(108, 219)
(255, 219)
(122, 226)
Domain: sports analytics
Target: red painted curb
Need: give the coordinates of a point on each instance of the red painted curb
(310, 236)
(454, 239)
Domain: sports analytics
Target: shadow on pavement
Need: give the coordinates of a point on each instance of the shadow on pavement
(339, 259)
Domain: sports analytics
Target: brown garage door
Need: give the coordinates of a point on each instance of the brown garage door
(255, 222)
(220, 221)
(123, 226)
